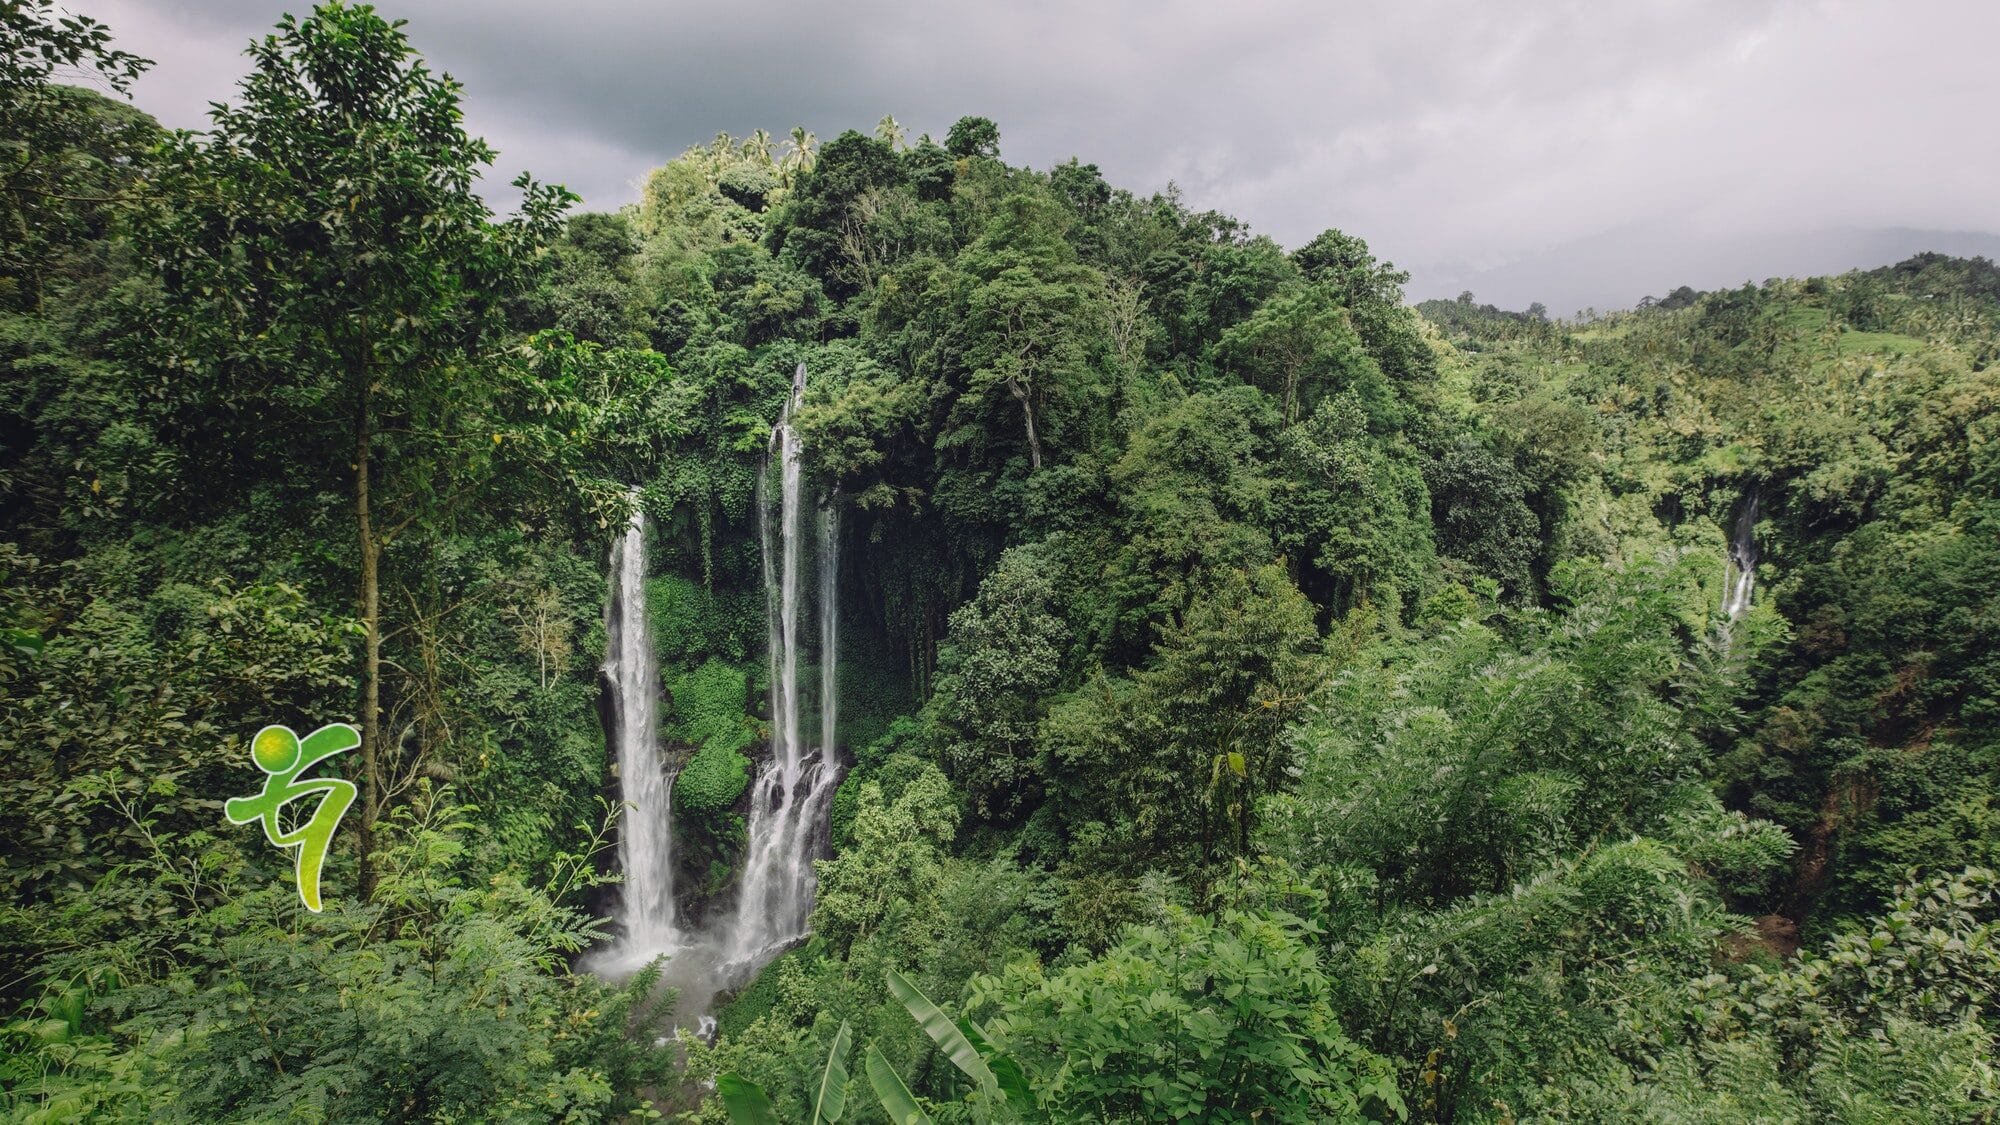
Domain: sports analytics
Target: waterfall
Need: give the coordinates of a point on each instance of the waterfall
(794, 789)
(646, 832)
(1740, 573)
(793, 792)
(829, 626)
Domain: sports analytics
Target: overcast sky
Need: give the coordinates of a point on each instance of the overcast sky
(1566, 151)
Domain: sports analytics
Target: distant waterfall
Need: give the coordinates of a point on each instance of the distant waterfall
(1740, 574)
(645, 830)
(794, 790)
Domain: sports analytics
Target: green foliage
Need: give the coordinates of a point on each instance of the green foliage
(1002, 658)
(685, 621)
(745, 1100)
(1224, 1019)
(267, 274)
(891, 873)
(946, 1034)
(1479, 508)
(1357, 507)
(964, 1044)
(1280, 703)
(1571, 971)
(437, 1000)
(826, 229)
(332, 289)
(1866, 458)
(1930, 959)
(1169, 772)
(1189, 489)
(889, 761)
(708, 713)
(712, 780)
(318, 256)
(1742, 856)
(1893, 1022)
(1372, 293)
(856, 413)
(830, 1102)
(895, 1097)
(63, 148)
(973, 136)
(708, 705)
(1027, 311)
(125, 700)
(1301, 346)
(1465, 761)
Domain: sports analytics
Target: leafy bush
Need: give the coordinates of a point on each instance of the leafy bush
(1226, 1018)
(712, 780)
(436, 1001)
(708, 711)
(708, 706)
(687, 623)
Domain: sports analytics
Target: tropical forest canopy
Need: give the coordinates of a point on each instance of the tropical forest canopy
(1262, 700)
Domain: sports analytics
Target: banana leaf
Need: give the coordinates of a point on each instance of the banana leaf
(894, 1096)
(831, 1101)
(744, 1100)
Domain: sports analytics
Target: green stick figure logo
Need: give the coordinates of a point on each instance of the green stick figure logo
(281, 754)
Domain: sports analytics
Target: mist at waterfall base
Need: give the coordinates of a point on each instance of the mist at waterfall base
(792, 794)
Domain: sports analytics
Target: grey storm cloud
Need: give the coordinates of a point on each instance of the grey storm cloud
(1566, 151)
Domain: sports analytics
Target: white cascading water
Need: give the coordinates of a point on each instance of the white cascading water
(646, 829)
(1740, 576)
(829, 628)
(794, 790)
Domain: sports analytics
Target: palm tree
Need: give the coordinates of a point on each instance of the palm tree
(715, 155)
(799, 156)
(890, 131)
(805, 146)
(758, 145)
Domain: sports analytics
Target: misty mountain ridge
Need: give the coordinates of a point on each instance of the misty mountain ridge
(1618, 268)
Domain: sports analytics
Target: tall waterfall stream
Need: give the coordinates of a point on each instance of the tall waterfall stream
(631, 671)
(792, 793)
(1740, 578)
(789, 806)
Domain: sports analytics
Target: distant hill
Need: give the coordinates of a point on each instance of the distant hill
(1616, 269)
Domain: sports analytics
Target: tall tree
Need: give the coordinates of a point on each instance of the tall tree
(1300, 344)
(333, 269)
(1030, 310)
(891, 132)
(802, 155)
(832, 223)
(52, 135)
(1372, 293)
(1354, 507)
(973, 136)
(1004, 656)
(1168, 771)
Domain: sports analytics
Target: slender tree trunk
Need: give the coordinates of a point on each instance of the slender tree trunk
(1028, 412)
(371, 621)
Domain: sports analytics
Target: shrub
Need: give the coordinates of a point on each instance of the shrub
(712, 781)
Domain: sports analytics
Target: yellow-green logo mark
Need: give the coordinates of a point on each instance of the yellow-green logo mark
(284, 756)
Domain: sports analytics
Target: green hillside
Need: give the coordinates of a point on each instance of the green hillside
(1258, 699)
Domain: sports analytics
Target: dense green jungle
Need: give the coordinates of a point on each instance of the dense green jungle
(1259, 699)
